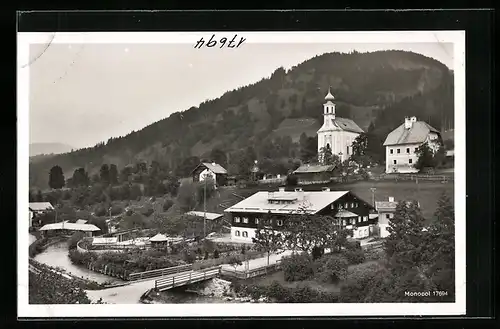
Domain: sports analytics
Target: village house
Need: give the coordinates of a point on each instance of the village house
(386, 210)
(347, 209)
(211, 171)
(38, 208)
(402, 143)
(337, 133)
(314, 174)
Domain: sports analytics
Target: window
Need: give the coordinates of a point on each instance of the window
(245, 234)
(346, 205)
(347, 149)
(352, 205)
(279, 222)
(245, 220)
(237, 233)
(408, 150)
(344, 223)
(236, 219)
(387, 228)
(391, 151)
(353, 220)
(416, 149)
(395, 161)
(387, 216)
(359, 219)
(410, 161)
(365, 218)
(398, 151)
(256, 221)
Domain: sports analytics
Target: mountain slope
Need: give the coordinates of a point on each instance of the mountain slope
(380, 88)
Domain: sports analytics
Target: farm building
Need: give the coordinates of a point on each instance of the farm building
(38, 208)
(212, 171)
(314, 174)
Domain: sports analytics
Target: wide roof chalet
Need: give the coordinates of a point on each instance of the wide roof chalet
(70, 227)
(310, 202)
(208, 215)
(416, 134)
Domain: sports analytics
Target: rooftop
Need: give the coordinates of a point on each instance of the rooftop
(209, 215)
(309, 201)
(416, 134)
(307, 168)
(38, 206)
(214, 167)
(70, 227)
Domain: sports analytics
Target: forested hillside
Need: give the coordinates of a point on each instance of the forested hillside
(375, 89)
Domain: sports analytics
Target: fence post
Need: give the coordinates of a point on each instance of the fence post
(173, 281)
(190, 276)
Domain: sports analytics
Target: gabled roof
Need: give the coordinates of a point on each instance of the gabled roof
(385, 205)
(39, 206)
(314, 168)
(70, 227)
(347, 125)
(81, 221)
(214, 167)
(312, 201)
(159, 238)
(209, 215)
(416, 134)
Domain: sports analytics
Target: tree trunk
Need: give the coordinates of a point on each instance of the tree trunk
(268, 254)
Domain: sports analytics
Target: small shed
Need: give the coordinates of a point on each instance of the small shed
(36, 208)
(313, 174)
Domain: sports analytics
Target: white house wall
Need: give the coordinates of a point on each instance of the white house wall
(339, 140)
(207, 173)
(402, 159)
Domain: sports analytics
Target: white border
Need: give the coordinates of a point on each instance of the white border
(232, 310)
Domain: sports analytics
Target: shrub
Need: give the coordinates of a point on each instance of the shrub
(334, 269)
(355, 256)
(79, 258)
(291, 180)
(167, 204)
(147, 211)
(359, 281)
(297, 267)
(353, 245)
(77, 236)
(216, 253)
(116, 210)
(100, 211)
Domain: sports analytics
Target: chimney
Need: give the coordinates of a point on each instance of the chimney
(413, 119)
(391, 199)
(282, 189)
(325, 189)
(408, 123)
(213, 163)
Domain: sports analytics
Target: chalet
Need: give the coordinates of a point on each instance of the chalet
(402, 143)
(212, 171)
(314, 174)
(350, 211)
(38, 208)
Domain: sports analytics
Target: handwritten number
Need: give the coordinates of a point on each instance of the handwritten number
(223, 42)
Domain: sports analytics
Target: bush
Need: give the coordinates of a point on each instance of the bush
(216, 253)
(116, 210)
(167, 204)
(77, 236)
(353, 245)
(334, 269)
(147, 211)
(281, 294)
(297, 267)
(291, 180)
(359, 282)
(355, 256)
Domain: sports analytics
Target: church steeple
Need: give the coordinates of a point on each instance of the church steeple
(329, 107)
(329, 96)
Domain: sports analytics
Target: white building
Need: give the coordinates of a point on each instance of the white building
(38, 208)
(386, 210)
(401, 145)
(336, 133)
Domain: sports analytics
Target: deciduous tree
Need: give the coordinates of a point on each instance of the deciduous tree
(267, 238)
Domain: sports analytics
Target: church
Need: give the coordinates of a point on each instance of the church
(336, 134)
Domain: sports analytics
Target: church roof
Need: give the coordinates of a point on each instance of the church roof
(347, 125)
(416, 134)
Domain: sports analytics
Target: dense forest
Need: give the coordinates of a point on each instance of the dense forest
(376, 89)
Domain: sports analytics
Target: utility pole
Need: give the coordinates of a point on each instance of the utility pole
(373, 189)
(205, 209)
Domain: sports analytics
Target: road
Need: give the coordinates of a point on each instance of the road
(258, 262)
(129, 294)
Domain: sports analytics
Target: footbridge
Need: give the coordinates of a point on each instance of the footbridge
(185, 278)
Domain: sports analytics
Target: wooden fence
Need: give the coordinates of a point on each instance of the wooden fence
(243, 275)
(416, 177)
(159, 272)
(373, 245)
(186, 278)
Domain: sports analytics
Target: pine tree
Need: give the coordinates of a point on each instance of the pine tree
(56, 178)
(104, 174)
(113, 174)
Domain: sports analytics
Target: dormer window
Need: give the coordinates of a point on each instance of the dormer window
(237, 219)
(245, 220)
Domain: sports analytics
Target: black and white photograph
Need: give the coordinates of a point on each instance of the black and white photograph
(185, 174)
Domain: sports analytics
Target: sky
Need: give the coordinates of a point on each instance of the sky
(82, 94)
